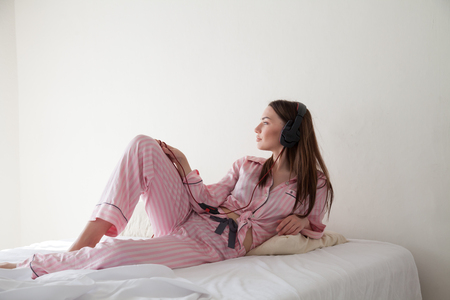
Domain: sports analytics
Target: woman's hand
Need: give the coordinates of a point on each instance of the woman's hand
(170, 151)
(292, 225)
(177, 157)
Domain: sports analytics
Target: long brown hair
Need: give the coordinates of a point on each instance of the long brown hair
(304, 159)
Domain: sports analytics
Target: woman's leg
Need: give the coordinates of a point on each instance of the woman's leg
(6, 265)
(91, 234)
(144, 169)
(174, 251)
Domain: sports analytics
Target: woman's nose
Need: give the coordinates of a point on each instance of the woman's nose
(257, 130)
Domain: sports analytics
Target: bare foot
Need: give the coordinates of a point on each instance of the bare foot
(7, 266)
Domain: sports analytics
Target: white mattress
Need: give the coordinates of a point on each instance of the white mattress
(359, 269)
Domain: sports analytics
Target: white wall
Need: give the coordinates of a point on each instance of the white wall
(198, 74)
(9, 130)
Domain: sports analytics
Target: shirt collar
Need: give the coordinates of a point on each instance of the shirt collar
(259, 160)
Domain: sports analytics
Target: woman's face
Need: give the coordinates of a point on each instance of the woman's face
(268, 132)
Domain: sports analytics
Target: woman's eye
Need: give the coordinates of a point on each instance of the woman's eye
(265, 123)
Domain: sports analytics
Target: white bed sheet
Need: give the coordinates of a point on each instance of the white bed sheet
(359, 269)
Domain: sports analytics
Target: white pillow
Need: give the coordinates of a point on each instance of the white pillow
(139, 223)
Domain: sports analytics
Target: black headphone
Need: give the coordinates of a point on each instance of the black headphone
(291, 134)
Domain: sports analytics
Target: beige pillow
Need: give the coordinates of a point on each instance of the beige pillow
(296, 244)
(139, 223)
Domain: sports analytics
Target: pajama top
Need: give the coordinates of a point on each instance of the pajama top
(267, 207)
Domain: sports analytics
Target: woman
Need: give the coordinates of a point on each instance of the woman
(193, 223)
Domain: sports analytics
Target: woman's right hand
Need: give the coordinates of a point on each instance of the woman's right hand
(177, 157)
(171, 152)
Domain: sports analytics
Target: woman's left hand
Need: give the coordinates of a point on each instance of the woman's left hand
(292, 225)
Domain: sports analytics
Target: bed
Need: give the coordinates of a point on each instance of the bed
(336, 269)
(358, 269)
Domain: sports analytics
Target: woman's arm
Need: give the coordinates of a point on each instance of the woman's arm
(316, 226)
(213, 194)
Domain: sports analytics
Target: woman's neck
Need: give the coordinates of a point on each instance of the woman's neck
(281, 164)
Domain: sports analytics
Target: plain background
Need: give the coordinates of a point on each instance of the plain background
(79, 79)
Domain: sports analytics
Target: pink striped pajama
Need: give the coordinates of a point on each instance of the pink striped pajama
(182, 237)
(184, 233)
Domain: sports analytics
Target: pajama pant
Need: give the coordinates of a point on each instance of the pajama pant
(183, 237)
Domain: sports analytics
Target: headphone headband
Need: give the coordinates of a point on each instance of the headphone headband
(290, 135)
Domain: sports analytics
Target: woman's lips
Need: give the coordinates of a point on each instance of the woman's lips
(258, 139)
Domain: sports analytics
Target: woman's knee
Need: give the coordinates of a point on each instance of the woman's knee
(142, 140)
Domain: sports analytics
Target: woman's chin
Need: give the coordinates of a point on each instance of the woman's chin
(260, 147)
(265, 148)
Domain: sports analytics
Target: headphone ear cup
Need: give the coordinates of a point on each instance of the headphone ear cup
(284, 138)
(290, 134)
(288, 126)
